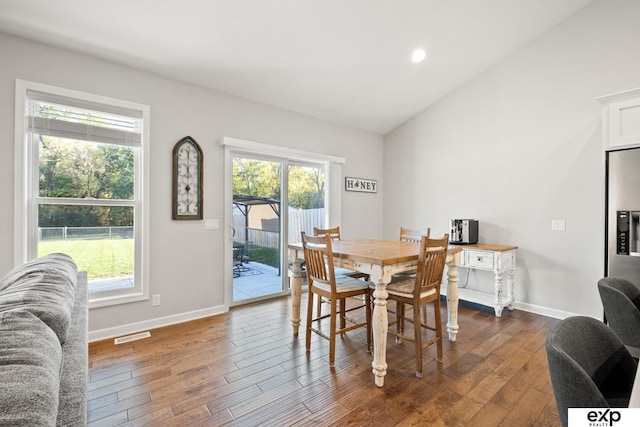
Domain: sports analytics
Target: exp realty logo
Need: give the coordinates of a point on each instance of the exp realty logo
(604, 417)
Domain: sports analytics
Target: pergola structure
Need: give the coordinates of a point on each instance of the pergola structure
(244, 204)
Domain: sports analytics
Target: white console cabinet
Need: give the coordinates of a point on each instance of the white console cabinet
(498, 259)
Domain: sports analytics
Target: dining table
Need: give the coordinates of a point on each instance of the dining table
(380, 259)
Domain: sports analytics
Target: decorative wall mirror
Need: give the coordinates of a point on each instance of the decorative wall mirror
(187, 179)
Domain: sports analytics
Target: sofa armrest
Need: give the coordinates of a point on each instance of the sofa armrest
(72, 408)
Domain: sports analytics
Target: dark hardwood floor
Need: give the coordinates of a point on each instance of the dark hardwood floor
(245, 368)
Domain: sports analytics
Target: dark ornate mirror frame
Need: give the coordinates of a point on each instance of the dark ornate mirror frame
(187, 201)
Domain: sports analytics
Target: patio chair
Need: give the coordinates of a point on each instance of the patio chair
(239, 258)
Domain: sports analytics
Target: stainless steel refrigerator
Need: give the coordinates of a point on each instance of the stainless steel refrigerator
(623, 215)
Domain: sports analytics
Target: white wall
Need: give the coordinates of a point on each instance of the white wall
(519, 146)
(186, 260)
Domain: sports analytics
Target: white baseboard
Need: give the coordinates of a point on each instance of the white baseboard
(488, 300)
(545, 311)
(103, 334)
(464, 294)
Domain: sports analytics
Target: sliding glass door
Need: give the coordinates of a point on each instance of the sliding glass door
(262, 228)
(257, 225)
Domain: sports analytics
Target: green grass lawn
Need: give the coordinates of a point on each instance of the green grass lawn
(104, 258)
(267, 256)
(100, 258)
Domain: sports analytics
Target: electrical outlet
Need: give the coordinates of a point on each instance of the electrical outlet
(155, 300)
(557, 224)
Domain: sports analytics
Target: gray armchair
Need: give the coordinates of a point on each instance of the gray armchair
(621, 302)
(589, 366)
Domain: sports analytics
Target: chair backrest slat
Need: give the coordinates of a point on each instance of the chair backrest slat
(334, 232)
(412, 235)
(431, 261)
(318, 258)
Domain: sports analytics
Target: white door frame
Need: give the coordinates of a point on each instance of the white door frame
(333, 180)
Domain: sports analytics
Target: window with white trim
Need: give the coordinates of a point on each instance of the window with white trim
(83, 189)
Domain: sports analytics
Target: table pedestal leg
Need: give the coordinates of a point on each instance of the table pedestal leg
(295, 277)
(452, 298)
(380, 328)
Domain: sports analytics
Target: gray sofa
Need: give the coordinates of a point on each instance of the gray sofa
(43, 344)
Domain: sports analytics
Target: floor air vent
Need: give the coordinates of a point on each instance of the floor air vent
(134, 337)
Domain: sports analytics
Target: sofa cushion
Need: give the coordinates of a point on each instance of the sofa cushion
(45, 287)
(30, 364)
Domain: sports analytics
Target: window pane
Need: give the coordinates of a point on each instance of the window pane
(98, 238)
(82, 169)
(306, 200)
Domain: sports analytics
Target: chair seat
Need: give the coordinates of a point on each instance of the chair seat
(341, 271)
(405, 289)
(400, 277)
(344, 284)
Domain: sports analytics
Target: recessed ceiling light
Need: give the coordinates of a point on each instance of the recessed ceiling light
(418, 55)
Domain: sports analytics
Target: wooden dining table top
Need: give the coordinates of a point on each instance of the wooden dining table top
(376, 251)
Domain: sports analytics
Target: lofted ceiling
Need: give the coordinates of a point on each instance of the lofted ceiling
(344, 61)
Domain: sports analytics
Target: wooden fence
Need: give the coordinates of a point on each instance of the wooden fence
(299, 220)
